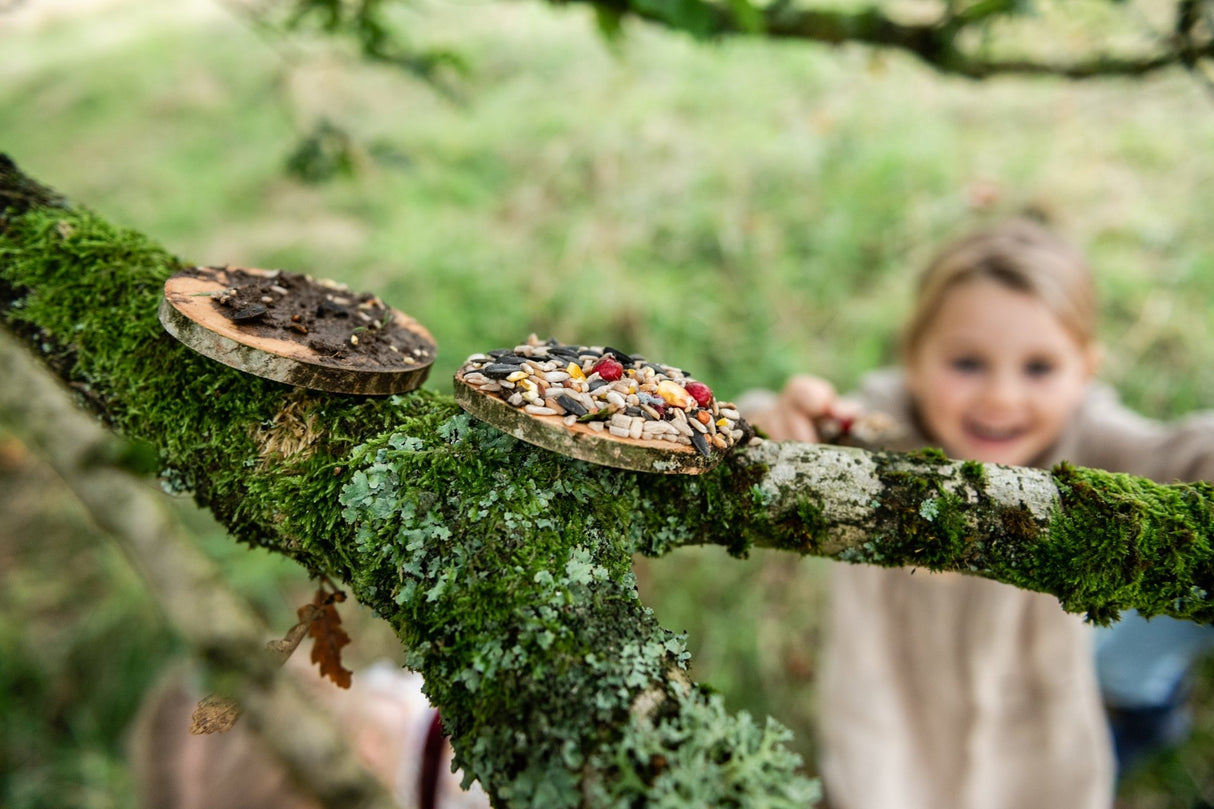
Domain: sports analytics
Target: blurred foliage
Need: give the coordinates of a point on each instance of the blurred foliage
(742, 209)
(326, 153)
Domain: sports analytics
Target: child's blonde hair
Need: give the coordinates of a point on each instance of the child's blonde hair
(1022, 254)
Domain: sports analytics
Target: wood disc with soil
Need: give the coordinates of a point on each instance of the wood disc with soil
(642, 417)
(290, 328)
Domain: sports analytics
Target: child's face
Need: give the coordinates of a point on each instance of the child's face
(997, 376)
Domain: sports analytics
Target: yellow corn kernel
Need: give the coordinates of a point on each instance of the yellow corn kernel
(674, 394)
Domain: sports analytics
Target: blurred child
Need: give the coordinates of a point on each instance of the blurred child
(941, 690)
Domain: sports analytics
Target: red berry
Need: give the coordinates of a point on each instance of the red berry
(700, 392)
(609, 369)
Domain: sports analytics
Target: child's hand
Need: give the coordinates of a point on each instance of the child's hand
(800, 410)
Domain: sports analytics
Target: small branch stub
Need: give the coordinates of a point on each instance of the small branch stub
(289, 328)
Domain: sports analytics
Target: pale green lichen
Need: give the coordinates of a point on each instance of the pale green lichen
(535, 561)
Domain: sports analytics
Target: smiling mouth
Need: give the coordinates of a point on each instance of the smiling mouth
(986, 433)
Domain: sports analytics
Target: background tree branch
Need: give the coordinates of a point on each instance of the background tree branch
(218, 625)
(975, 39)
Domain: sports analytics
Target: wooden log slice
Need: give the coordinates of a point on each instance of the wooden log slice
(582, 442)
(290, 328)
(602, 405)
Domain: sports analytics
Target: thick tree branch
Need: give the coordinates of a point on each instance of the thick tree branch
(506, 570)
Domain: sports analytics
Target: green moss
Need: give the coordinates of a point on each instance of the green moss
(920, 523)
(929, 455)
(801, 528)
(1117, 541)
(974, 472)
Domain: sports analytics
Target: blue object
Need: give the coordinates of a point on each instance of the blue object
(1143, 666)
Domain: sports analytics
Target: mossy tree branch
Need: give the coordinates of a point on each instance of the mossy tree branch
(506, 570)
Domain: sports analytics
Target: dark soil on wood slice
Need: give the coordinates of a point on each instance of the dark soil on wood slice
(292, 319)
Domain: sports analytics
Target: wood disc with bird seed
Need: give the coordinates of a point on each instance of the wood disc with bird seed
(290, 328)
(602, 405)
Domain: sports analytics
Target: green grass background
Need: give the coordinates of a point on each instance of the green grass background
(743, 210)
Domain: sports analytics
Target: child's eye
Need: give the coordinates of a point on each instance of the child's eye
(1039, 368)
(967, 365)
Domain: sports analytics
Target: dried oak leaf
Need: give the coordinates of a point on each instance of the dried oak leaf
(284, 647)
(214, 714)
(328, 637)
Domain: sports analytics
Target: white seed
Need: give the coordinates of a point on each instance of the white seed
(570, 420)
(616, 399)
(637, 426)
(730, 414)
(556, 376)
(619, 432)
(621, 421)
(597, 426)
(736, 435)
(537, 410)
(586, 401)
(695, 424)
(516, 400)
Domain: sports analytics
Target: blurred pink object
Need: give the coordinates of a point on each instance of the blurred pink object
(384, 715)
